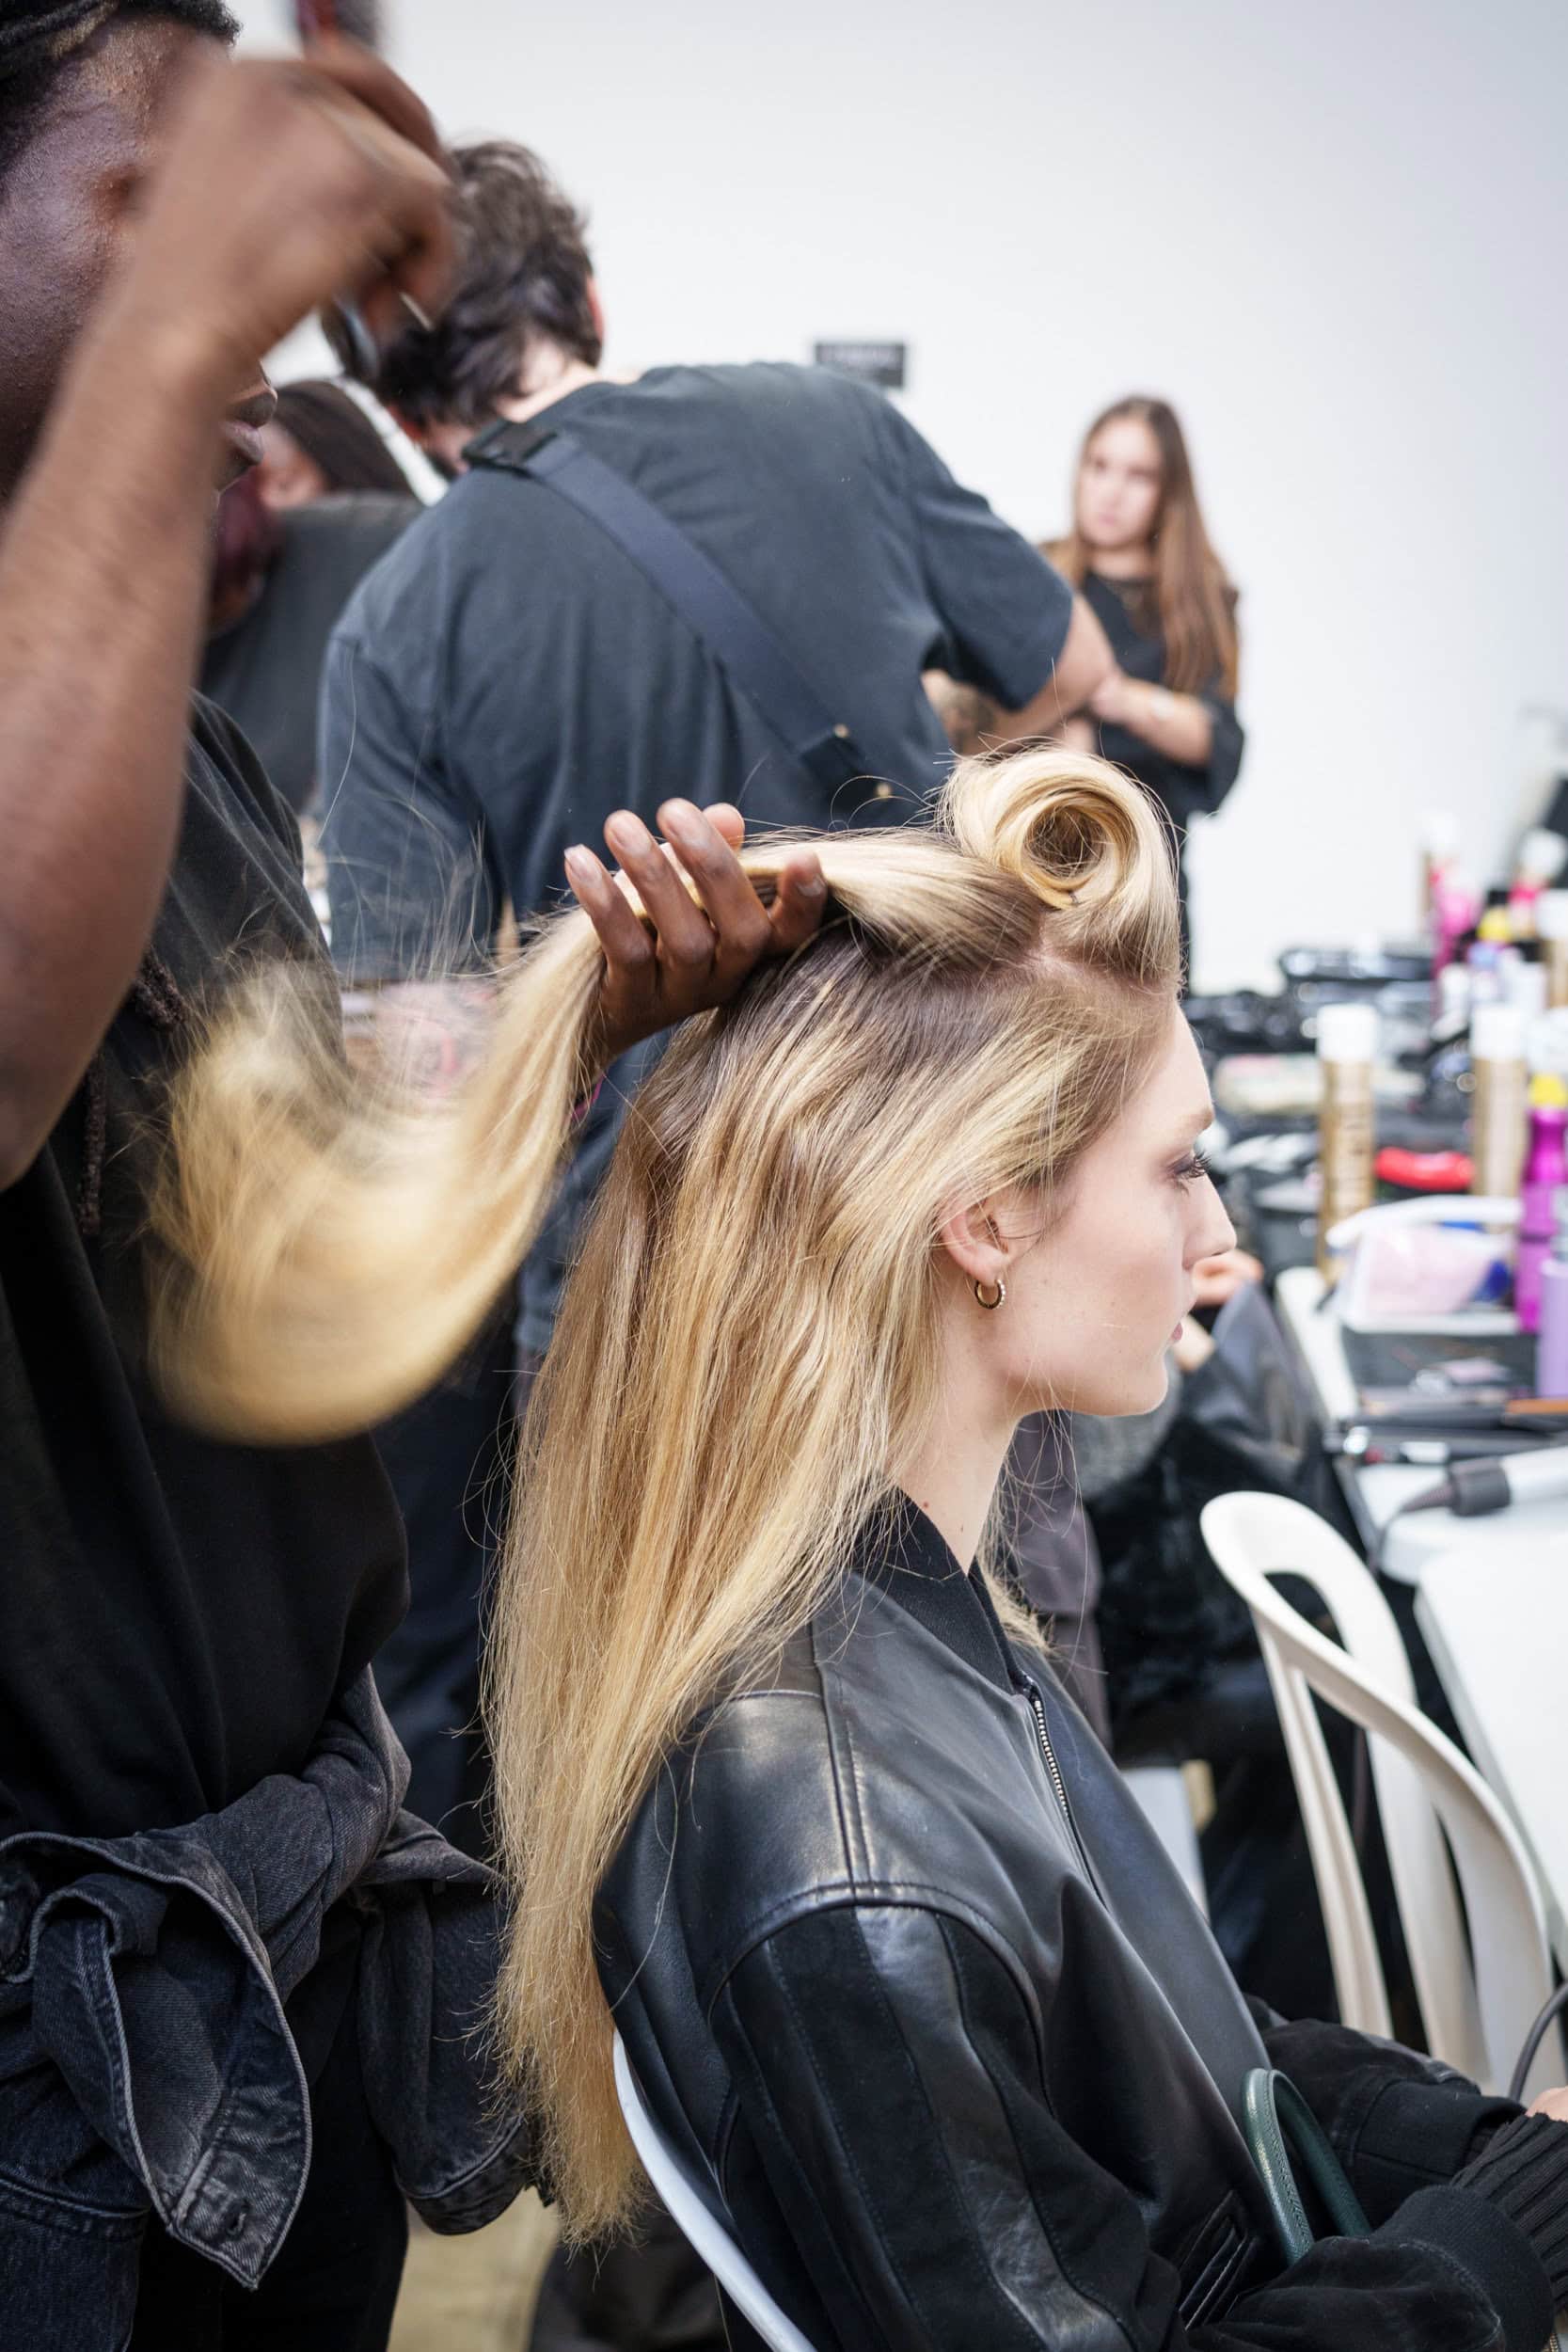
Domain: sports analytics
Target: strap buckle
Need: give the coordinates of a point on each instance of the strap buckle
(508, 445)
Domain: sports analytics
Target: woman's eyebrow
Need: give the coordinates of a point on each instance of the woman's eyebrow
(1196, 1125)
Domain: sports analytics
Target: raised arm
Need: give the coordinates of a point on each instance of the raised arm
(1085, 667)
(274, 183)
(1082, 667)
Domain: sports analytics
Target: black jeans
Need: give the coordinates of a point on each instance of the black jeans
(334, 2285)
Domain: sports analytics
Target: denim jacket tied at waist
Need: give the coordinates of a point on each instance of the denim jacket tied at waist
(157, 1967)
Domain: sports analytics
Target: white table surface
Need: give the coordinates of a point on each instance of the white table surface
(1494, 1610)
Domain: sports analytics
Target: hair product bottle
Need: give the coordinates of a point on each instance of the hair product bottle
(1523, 980)
(1551, 929)
(1455, 910)
(1501, 1080)
(1551, 1346)
(1539, 863)
(1439, 849)
(1545, 1173)
(1347, 1142)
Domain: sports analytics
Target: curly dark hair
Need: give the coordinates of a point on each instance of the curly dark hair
(523, 276)
(40, 38)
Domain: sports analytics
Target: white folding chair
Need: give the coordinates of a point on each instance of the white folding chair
(1481, 1977)
(695, 2220)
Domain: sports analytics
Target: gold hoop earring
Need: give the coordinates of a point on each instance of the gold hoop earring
(990, 1304)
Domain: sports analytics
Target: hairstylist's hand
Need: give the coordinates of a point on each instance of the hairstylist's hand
(699, 951)
(286, 184)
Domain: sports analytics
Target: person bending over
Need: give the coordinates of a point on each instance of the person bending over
(788, 1797)
(510, 671)
(235, 1984)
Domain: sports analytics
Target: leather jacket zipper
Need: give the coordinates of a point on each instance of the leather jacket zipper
(1053, 1773)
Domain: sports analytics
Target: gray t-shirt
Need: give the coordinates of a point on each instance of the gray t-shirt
(508, 676)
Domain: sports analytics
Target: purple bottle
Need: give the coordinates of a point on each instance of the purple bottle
(1546, 1171)
(1551, 1348)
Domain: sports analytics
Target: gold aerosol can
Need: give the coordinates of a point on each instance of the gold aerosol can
(1347, 1121)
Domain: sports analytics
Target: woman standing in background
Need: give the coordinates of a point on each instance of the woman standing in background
(1140, 554)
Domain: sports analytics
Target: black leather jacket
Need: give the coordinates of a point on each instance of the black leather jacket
(910, 1983)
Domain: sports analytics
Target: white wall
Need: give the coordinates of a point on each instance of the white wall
(1334, 236)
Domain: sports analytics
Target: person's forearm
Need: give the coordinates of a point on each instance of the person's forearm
(1082, 667)
(1177, 724)
(102, 586)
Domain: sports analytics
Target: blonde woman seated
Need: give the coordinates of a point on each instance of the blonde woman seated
(789, 1795)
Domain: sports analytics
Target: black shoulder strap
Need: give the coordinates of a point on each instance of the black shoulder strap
(711, 605)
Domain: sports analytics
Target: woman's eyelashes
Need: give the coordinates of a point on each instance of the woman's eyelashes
(1191, 1169)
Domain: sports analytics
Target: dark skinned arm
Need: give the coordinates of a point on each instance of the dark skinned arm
(333, 187)
(104, 552)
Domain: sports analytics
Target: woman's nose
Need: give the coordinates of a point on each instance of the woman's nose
(1216, 1234)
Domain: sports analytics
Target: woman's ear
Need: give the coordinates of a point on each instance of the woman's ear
(973, 1239)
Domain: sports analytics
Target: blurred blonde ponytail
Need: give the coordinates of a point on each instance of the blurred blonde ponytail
(333, 1244)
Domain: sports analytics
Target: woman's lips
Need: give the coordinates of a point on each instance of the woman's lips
(247, 439)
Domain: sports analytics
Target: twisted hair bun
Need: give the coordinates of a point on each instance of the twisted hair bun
(1089, 843)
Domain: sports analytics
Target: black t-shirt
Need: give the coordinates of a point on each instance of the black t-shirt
(508, 676)
(266, 671)
(175, 1615)
(1184, 792)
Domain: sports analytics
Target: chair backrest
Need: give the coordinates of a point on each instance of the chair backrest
(1482, 1976)
(695, 2219)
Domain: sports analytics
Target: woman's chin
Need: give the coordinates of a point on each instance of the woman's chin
(1147, 1395)
(1142, 1391)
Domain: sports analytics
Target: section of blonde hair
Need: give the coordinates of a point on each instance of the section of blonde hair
(748, 1347)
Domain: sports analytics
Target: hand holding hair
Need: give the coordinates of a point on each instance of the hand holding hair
(690, 948)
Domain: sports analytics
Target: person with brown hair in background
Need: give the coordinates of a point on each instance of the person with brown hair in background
(1139, 554)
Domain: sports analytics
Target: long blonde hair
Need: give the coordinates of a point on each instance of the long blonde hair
(748, 1345)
